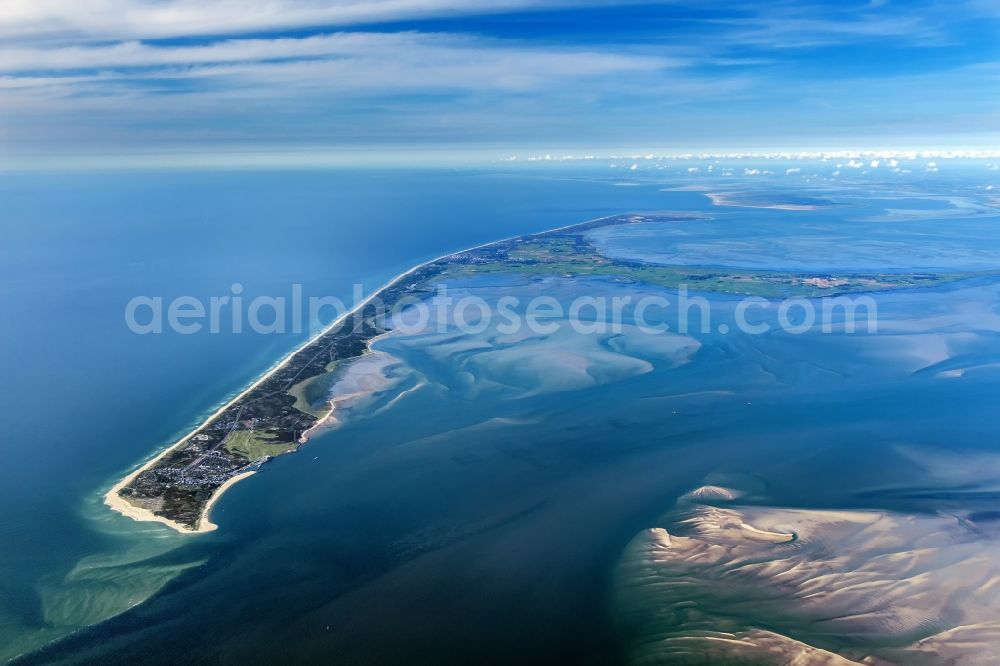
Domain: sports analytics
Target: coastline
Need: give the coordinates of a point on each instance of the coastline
(206, 525)
(119, 504)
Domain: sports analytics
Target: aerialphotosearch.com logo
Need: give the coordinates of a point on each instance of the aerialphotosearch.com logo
(651, 313)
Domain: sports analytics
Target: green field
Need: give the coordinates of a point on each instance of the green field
(256, 445)
(571, 256)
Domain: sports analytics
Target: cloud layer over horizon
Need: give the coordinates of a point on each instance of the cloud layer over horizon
(141, 75)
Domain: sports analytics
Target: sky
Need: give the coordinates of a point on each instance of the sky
(493, 77)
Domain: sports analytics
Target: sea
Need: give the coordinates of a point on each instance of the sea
(478, 516)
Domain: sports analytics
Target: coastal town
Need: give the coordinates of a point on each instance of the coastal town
(261, 422)
(275, 415)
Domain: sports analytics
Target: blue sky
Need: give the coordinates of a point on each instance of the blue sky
(451, 76)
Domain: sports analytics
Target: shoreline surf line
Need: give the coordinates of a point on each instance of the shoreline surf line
(119, 504)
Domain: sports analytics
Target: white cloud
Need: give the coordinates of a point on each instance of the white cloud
(338, 62)
(787, 27)
(777, 25)
(92, 69)
(137, 54)
(140, 19)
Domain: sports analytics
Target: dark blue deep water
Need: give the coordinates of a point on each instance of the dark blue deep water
(479, 519)
(84, 400)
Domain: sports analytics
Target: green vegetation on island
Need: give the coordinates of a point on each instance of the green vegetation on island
(270, 417)
(256, 445)
(570, 254)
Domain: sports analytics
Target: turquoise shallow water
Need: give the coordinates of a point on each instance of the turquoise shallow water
(84, 399)
(479, 516)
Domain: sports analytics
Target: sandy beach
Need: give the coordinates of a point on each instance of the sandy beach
(206, 525)
(117, 503)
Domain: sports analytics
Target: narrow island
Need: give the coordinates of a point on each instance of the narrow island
(276, 413)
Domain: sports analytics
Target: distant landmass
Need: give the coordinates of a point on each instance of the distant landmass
(278, 412)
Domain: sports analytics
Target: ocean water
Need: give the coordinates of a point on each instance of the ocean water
(862, 234)
(84, 399)
(477, 512)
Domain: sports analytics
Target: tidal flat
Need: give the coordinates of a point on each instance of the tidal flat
(490, 475)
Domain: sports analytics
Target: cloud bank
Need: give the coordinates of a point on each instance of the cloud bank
(142, 74)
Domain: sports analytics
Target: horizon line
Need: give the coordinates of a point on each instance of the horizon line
(325, 157)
